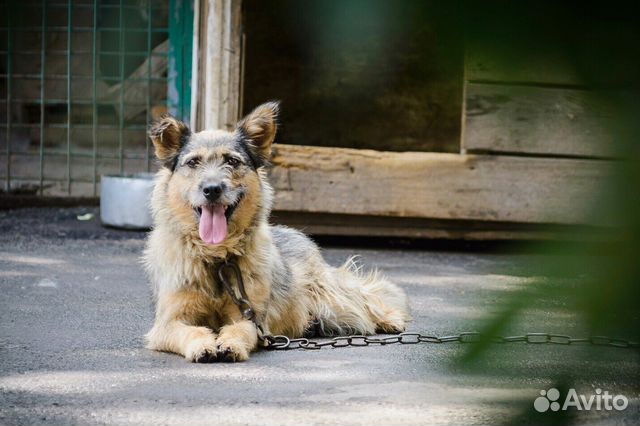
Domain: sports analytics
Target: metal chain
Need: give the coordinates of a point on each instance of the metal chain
(242, 301)
(280, 342)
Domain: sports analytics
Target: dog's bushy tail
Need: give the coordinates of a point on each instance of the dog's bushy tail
(362, 303)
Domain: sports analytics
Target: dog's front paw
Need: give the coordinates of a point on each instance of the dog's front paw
(203, 349)
(231, 350)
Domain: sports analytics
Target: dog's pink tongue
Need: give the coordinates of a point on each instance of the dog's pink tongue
(213, 225)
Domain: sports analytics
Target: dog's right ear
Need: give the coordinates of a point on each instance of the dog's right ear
(168, 135)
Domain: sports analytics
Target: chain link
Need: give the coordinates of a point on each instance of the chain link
(280, 342)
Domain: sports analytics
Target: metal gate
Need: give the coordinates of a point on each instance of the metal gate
(80, 79)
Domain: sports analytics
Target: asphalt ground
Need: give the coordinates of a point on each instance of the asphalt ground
(75, 304)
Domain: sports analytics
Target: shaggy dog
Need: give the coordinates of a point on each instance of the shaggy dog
(211, 203)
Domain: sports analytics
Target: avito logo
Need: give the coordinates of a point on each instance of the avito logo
(549, 400)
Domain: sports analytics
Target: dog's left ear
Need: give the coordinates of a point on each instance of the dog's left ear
(168, 136)
(259, 128)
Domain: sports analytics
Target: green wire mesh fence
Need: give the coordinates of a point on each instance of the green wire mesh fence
(80, 80)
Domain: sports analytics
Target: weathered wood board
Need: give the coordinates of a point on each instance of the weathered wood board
(436, 185)
(538, 120)
(403, 227)
(218, 70)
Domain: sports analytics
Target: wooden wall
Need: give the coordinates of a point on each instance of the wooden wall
(548, 78)
(540, 119)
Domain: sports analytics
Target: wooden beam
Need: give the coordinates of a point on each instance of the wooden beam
(416, 228)
(436, 185)
(220, 53)
(537, 120)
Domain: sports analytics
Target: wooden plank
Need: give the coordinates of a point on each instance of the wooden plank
(219, 65)
(321, 224)
(536, 120)
(135, 93)
(436, 185)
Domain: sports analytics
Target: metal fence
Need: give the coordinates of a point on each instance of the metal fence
(80, 79)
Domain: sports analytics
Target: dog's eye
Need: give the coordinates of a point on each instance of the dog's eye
(233, 162)
(193, 162)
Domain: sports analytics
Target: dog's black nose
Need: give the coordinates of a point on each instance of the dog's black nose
(212, 192)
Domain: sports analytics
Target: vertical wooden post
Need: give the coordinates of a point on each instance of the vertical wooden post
(217, 89)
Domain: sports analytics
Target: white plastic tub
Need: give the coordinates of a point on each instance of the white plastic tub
(124, 200)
